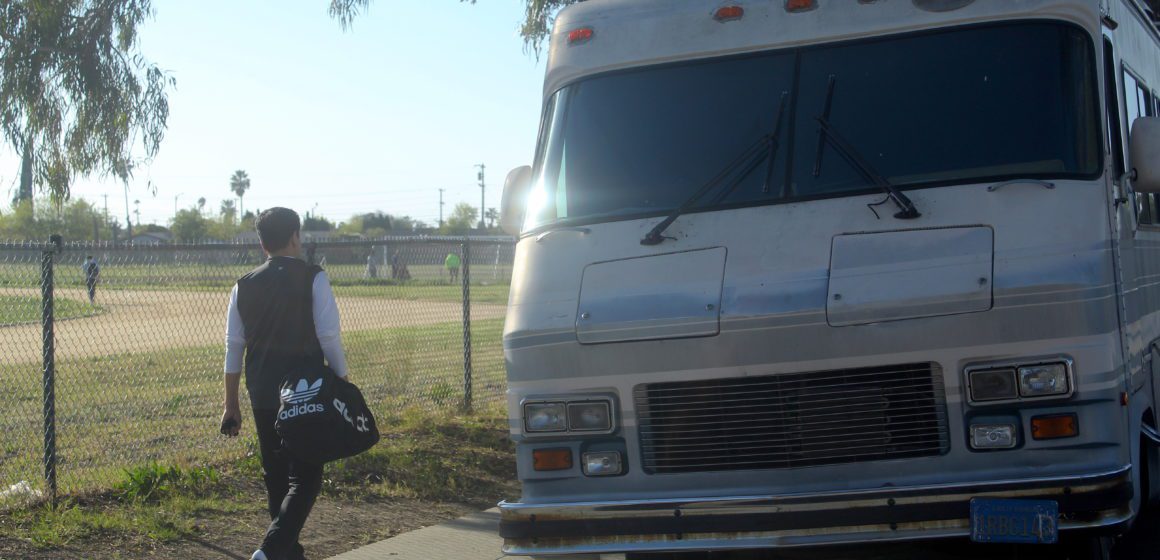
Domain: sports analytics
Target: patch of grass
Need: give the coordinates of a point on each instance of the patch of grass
(18, 310)
(71, 522)
(466, 458)
(117, 411)
(456, 458)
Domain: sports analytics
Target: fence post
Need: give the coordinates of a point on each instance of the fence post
(47, 324)
(466, 269)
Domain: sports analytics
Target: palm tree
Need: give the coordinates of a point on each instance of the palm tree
(240, 183)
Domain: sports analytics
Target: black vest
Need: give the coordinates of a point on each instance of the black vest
(275, 303)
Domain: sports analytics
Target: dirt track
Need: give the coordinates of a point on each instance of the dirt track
(143, 320)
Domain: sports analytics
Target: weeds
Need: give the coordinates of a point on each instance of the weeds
(151, 482)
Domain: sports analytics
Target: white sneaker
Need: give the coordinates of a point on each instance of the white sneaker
(258, 555)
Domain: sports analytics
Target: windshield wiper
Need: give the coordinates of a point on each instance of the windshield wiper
(829, 134)
(656, 236)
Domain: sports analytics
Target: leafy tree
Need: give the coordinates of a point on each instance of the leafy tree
(189, 226)
(316, 223)
(240, 183)
(492, 217)
(463, 218)
(201, 204)
(537, 24)
(76, 95)
(76, 220)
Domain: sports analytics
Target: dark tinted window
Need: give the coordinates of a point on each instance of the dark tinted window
(641, 142)
(969, 104)
(1138, 103)
(973, 104)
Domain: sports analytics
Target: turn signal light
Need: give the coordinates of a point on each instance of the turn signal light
(729, 13)
(582, 35)
(800, 5)
(552, 459)
(1055, 427)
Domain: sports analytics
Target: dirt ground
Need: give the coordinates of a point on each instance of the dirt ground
(335, 526)
(144, 320)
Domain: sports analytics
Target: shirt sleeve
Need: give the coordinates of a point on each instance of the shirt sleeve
(235, 336)
(326, 324)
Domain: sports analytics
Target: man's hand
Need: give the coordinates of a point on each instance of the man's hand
(231, 420)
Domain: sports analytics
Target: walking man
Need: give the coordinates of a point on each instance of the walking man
(278, 327)
(92, 274)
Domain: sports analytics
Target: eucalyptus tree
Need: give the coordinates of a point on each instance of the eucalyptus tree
(76, 95)
(537, 24)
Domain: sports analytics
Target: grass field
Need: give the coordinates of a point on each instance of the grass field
(489, 284)
(119, 411)
(18, 310)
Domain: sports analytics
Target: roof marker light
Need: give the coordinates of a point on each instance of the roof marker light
(729, 13)
(800, 5)
(581, 35)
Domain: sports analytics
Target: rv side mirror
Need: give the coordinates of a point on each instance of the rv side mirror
(515, 199)
(1145, 154)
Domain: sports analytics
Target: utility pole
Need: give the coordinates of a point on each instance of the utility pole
(175, 205)
(137, 205)
(441, 208)
(106, 195)
(482, 197)
(128, 215)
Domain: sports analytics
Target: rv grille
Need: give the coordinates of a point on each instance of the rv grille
(793, 420)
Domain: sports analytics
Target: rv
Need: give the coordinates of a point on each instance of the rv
(814, 272)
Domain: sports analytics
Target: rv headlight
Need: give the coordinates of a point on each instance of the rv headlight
(993, 385)
(1043, 380)
(591, 416)
(545, 417)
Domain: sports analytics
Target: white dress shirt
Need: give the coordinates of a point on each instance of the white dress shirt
(326, 326)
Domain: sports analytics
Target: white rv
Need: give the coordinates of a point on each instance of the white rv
(808, 272)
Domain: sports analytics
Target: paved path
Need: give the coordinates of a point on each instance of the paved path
(145, 320)
(473, 537)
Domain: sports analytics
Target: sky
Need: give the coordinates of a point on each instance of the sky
(378, 117)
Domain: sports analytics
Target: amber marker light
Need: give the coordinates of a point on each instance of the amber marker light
(729, 13)
(552, 459)
(800, 5)
(1055, 427)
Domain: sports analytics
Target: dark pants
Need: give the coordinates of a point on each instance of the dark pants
(291, 488)
(92, 285)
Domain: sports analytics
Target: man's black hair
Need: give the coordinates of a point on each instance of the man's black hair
(89, 257)
(276, 226)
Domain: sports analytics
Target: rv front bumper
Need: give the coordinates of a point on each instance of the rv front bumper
(890, 514)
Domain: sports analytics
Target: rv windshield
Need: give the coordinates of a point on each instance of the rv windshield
(968, 105)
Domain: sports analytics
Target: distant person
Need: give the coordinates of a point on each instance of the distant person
(452, 263)
(270, 324)
(92, 272)
(372, 268)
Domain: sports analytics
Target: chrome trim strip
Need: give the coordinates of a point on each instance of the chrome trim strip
(516, 507)
(904, 533)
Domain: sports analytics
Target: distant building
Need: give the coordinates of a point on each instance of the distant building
(151, 238)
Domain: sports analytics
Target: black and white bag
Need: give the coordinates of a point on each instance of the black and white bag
(323, 417)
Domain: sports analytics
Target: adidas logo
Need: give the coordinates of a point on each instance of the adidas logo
(301, 393)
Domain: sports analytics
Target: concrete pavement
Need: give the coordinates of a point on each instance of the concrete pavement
(473, 537)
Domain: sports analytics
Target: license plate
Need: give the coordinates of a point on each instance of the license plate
(1014, 521)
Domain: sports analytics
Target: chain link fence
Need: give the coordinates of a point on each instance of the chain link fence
(134, 375)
